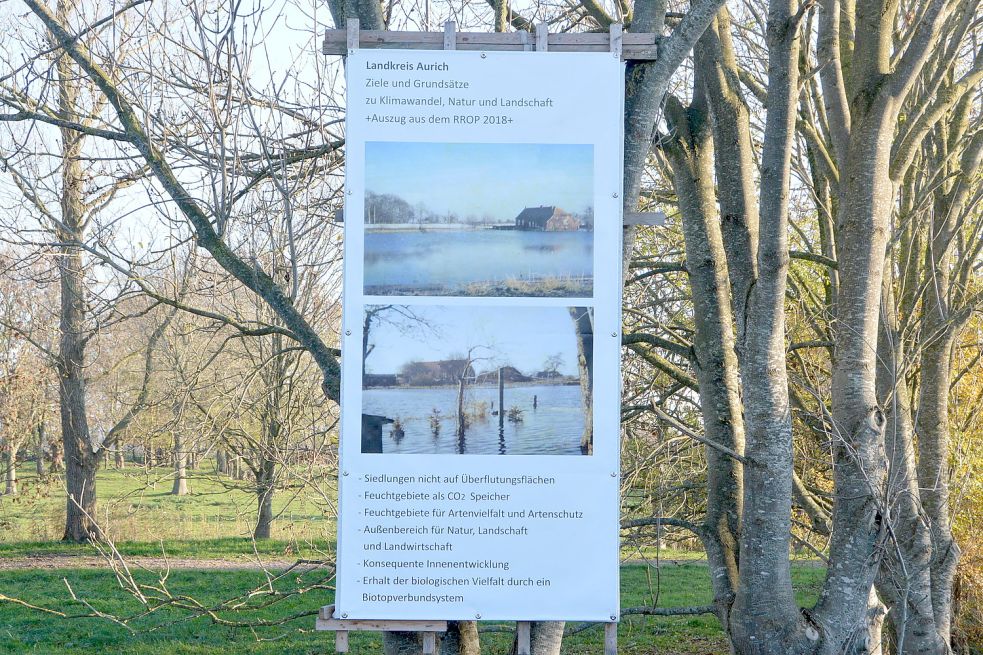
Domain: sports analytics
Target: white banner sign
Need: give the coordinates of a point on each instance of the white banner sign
(481, 383)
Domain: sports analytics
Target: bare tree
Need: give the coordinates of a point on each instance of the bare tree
(740, 279)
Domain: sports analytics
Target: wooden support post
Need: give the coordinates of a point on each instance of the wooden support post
(524, 40)
(523, 638)
(429, 643)
(450, 35)
(341, 641)
(542, 37)
(353, 33)
(610, 639)
(617, 39)
(501, 397)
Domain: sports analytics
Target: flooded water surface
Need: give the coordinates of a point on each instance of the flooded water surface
(480, 262)
(553, 427)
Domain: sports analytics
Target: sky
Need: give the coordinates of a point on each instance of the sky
(498, 179)
(518, 336)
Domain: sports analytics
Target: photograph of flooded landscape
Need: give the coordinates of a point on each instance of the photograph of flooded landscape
(479, 219)
(486, 380)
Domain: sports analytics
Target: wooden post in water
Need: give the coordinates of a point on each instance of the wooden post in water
(501, 398)
(461, 423)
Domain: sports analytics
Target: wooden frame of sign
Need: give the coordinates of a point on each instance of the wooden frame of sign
(625, 46)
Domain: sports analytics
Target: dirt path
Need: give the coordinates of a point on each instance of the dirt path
(48, 562)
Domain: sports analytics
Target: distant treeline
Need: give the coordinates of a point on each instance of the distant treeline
(388, 208)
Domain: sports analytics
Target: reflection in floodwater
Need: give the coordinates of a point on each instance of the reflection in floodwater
(553, 427)
(478, 262)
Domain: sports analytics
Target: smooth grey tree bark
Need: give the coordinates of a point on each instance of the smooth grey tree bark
(863, 113)
(583, 325)
(10, 466)
(39, 453)
(905, 572)
(690, 153)
(265, 491)
(180, 486)
(765, 617)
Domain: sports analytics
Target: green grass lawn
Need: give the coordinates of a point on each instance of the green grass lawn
(170, 630)
(136, 506)
(215, 522)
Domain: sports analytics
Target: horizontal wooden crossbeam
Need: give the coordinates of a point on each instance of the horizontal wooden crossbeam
(640, 47)
(645, 218)
(341, 627)
(326, 620)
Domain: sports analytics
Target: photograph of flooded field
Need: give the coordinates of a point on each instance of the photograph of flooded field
(477, 380)
(479, 219)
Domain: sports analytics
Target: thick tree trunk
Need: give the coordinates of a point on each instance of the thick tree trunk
(119, 457)
(716, 369)
(180, 487)
(939, 332)
(583, 321)
(733, 161)
(10, 464)
(904, 580)
(461, 638)
(765, 617)
(461, 419)
(934, 474)
(42, 445)
(39, 467)
(80, 483)
(221, 462)
(859, 526)
(546, 637)
(264, 499)
(80, 459)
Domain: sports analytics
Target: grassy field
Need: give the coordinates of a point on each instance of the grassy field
(215, 521)
(177, 631)
(136, 505)
(212, 527)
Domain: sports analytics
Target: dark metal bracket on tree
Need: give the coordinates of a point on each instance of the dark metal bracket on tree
(624, 46)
